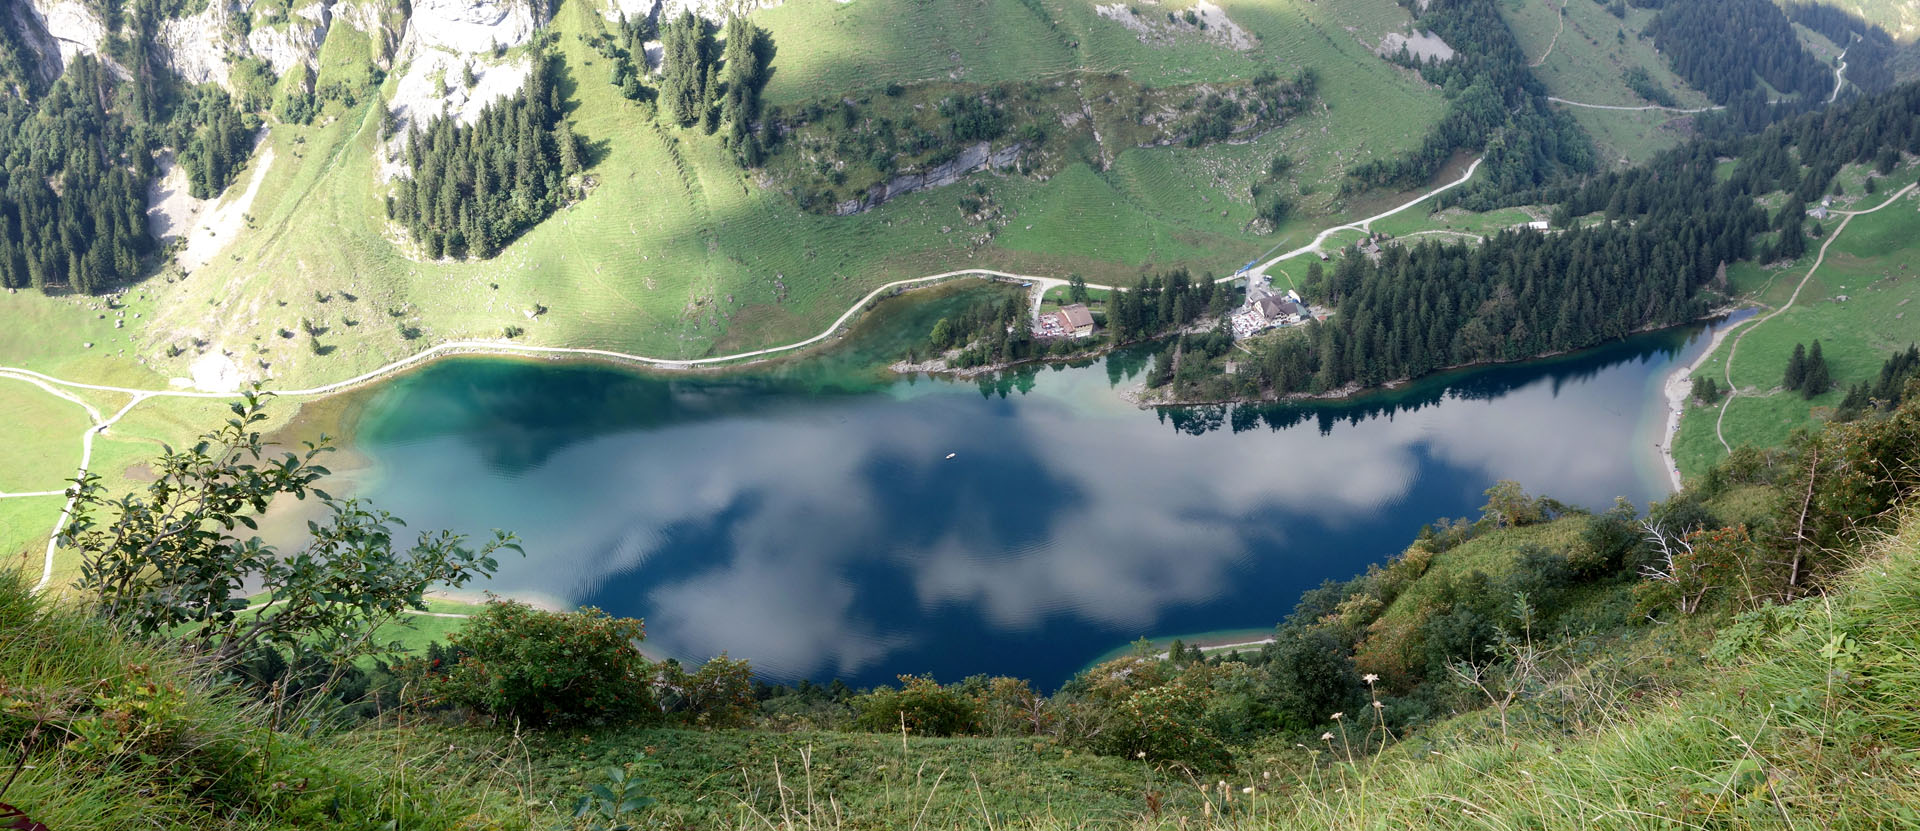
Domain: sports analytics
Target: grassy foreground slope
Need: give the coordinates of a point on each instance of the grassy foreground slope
(1792, 716)
(679, 253)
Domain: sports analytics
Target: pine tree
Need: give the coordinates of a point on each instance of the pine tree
(1796, 377)
(1816, 381)
(683, 68)
(569, 150)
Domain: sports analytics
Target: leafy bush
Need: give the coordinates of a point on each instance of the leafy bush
(920, 704)
(169, 562)
(548, 668)
(1143, 707)
(719, 694)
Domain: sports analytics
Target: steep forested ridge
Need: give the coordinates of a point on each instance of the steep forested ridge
(73, 180)
(76, 157)
(1496, 106)
(1669, 226)
(1726, 47)
(1869, 49)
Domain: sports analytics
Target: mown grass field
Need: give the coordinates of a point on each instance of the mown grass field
(1873, 266)
(41, 435)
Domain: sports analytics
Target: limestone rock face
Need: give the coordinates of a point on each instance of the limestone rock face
(296, 40)
(444, 41)
(45, 51)
(714, 10)
(73, 29)
(471, 26)
(201, 49)
(195, 47)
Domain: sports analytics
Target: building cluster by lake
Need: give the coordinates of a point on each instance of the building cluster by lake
(1072, 321)
(1267, 309)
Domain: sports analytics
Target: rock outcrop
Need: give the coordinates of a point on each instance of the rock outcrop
(195, 47)
(445, 40)
(973, 158)
(714, 10)
(296, 40)
(201, 49)
(46, 51)
(469, 27)
(72, 29)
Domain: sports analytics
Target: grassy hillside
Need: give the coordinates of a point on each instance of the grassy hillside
(1871, 264)
(678, 253)
(110, 732)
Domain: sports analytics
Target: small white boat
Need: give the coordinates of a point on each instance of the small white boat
(951, 455)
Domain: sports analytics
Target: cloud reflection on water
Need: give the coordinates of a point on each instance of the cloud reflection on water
(823, 536)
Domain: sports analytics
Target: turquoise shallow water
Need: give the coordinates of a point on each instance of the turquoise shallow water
(808, 517)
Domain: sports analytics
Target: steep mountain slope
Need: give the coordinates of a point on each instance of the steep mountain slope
(678, 252)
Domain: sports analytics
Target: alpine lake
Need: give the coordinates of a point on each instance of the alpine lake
(826, 518)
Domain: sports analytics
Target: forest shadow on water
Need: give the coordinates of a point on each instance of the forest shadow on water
(823, 518)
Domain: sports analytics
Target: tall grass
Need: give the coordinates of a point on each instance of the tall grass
(99, 730)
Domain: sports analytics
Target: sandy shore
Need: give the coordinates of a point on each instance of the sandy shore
(1679, 388)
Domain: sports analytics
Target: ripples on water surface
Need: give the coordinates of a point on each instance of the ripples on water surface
(807, 518)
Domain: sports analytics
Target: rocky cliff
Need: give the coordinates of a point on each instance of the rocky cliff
(68, 27)
(447, 40)
(973, 158)
(714, 10)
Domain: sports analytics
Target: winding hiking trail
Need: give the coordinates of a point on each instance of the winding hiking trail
(1840, 69)
(1733, 349)
(1362, 225)
(1635, 109)
(1556, 38)
(99, 424)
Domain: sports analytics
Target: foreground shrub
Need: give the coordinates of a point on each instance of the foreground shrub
(551, 668)
(920, 704)
(719, 694)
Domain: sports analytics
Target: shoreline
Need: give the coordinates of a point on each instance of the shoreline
(1679, 392)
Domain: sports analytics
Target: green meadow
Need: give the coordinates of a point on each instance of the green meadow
(1871, 265)
(677, 252)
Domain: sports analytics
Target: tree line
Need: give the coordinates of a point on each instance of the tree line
(1494, 105)
(1668, 227)
(77, 154)
(1164, 302)
(1726, 47)
(716, 87)
(73, 187)
(1884, 394)
(474, 188)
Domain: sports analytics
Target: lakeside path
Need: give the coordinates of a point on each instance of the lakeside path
(1733, 392)
(1362, 225)
(1678, 390)
(99, 424)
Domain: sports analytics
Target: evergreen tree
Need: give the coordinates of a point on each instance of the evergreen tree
(1796, 377)
(684, 68)
(1816, 380)
(475, 187)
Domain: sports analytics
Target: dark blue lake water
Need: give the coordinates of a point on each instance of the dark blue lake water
(807, 517)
